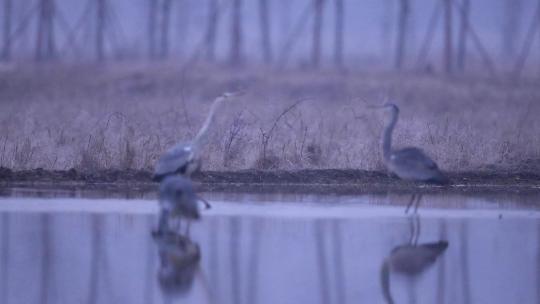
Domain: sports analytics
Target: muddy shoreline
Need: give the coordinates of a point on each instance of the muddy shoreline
(328, 181)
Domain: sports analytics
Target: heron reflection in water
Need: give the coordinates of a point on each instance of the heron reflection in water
(179, 259)
(410, 260)
(177, 200)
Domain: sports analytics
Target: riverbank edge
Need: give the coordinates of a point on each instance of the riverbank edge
(316, 181)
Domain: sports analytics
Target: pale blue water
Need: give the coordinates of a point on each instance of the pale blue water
(269, 249)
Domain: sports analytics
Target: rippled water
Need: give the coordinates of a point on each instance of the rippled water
(271, 249)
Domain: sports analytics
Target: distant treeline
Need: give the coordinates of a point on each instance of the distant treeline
(444, 35)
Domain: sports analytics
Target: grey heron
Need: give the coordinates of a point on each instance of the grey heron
(410, 260)
(183, 158)
(408, 163)
(177, 199)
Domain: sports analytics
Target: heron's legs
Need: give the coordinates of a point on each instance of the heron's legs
(188, 224)
(415, 200)
(163, 224)
(412, 229)
(418, 228)
(178, 224)
(418, 199)
(410, 203)
(414, 223)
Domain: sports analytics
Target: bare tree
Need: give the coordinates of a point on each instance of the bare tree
(339, 269)
(321, 258)
(510, 29)
(46, 258)
(340, 22)
(213, 15)
(464, 234)
(528, 43)
(448, 47)
(45, 42)
(235, 244)
(100, 29)
(403, 16)
(6, 48)
(165, 25)
(152, 21)
(317, 29)
(265, 31)
(4, 254)
(386, 27)
(235, 58)
(462, 38)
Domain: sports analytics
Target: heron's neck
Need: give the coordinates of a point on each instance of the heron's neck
(387, 135)
(200, 138)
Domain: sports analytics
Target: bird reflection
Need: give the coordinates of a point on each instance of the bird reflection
(179, 258)
(410, 259)
(178, 200)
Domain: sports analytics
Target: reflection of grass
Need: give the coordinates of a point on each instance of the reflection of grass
(125, 116)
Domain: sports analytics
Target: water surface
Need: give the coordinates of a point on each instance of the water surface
(269, 249)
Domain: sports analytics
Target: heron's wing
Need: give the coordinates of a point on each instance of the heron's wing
(412, 259)
(174, 159)
(414, 158)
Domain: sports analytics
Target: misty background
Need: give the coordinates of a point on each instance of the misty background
(499, 34)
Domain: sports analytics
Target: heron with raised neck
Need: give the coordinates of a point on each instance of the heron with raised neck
(184, 157)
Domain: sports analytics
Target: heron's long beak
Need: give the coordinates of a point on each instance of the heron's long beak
(233, 94)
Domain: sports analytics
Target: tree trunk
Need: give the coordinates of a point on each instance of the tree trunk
(448, 47)
(100, 29)
(236, 34)
(463, 29)
(528, 43)
(165, 25)
(213, 15)
(386, 28)
(6, 50)
(152, 18)
(513, 15)
(317, 28)
(265, 31)
(45, 47)
(51, 47)
(340, 22)
(404, 8)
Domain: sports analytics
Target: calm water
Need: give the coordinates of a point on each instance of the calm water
(269, 249)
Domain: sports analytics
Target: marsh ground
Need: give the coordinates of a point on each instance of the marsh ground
(123, 116)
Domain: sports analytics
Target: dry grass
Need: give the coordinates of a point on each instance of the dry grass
(124, 116)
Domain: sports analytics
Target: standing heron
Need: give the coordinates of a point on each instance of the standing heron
(177, 198)
(183, 158)
(410, 163)
(410, 260)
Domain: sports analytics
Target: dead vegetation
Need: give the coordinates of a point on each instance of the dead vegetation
(124, 117)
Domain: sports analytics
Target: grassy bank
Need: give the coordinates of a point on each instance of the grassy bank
(124, 116)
